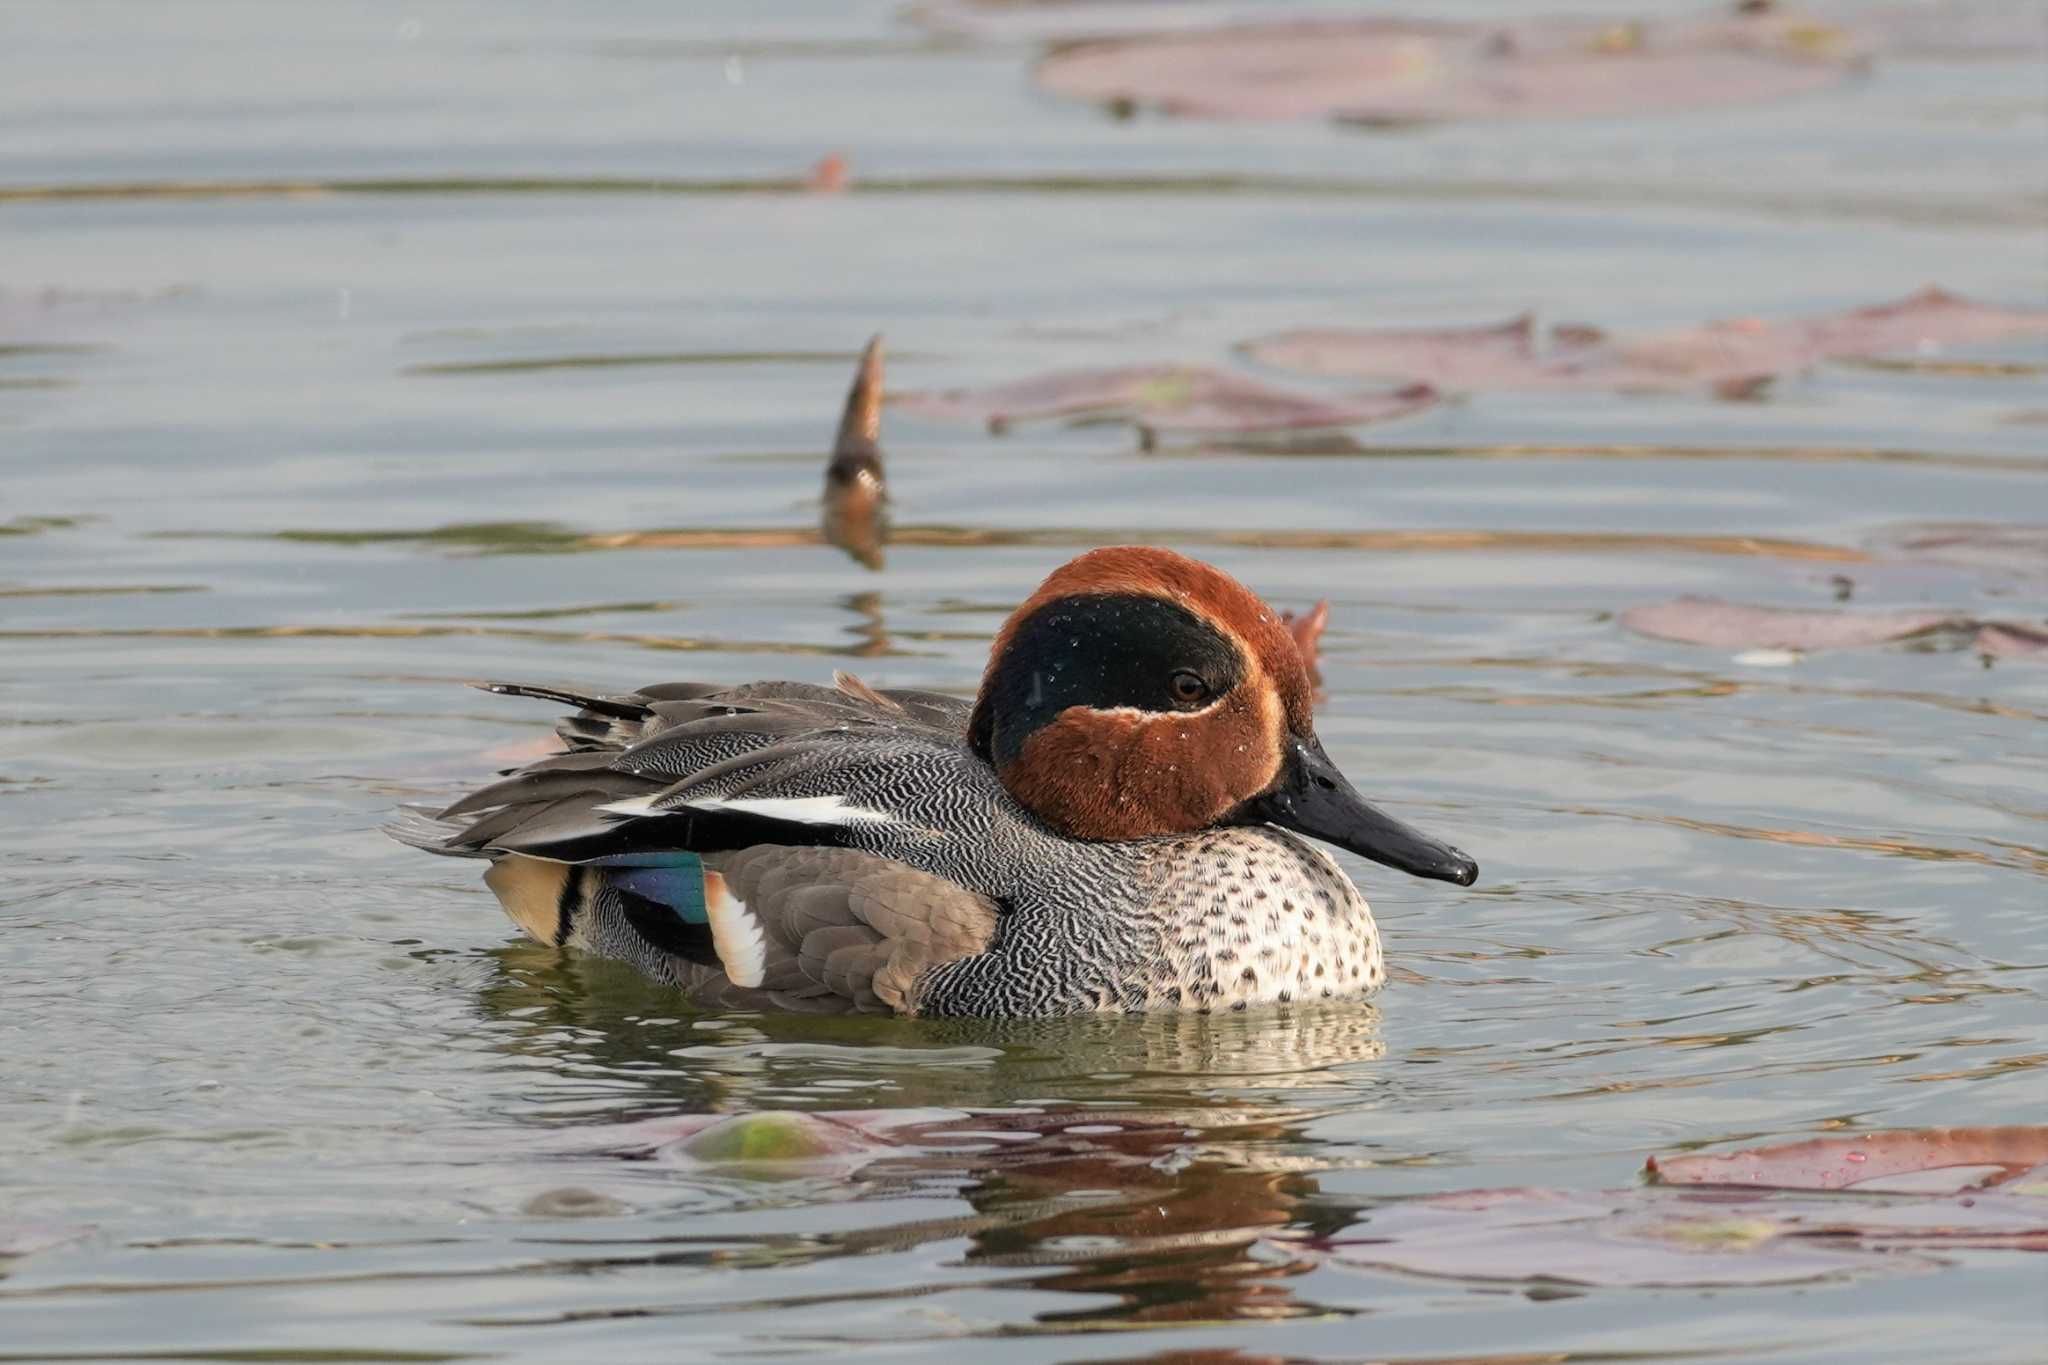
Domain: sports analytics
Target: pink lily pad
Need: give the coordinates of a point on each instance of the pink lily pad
(1731, 625)
(1163, 398)
(1507, 355)
(1931, 319)
(2006, 640)
(1732, 357)
(1653, 1237)
(1066, 21)
(2009, 547)
(1400, 70)
(1972, 1158)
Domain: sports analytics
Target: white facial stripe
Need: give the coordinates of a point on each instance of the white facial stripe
(1148, 717)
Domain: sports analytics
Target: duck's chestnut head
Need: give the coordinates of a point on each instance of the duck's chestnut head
(1140, 692)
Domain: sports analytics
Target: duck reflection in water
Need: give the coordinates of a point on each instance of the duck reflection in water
(1122, 1188)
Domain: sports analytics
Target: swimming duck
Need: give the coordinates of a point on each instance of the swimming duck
(1116, 822)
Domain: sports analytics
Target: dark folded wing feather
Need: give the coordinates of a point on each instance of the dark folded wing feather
(664, 748)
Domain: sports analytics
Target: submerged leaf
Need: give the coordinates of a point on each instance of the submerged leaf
(1731, 625)
(1975, 1158)
(1407, 70)
(1163, 398)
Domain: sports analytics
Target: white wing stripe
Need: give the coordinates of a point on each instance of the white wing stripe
(799, 810)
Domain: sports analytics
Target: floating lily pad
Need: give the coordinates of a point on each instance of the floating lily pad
(1655, 1237)
(1760, 631)
(1163, 398)
(2007, 640)
(1932, 319)
(2009, 547)
(1507, 355)
(1409, 70)
(1732, 357)
(1732, 625)
(1517, 355)
(1968, 1158)
(1066, 21)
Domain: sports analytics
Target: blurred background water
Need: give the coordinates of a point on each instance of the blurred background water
(344, 348)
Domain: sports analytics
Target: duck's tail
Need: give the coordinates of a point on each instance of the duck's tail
(422, 827)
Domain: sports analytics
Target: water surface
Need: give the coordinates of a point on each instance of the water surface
(350, 352)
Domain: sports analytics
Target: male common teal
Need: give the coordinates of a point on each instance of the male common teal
(1114, 823)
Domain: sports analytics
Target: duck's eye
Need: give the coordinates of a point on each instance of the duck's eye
(1188, 688)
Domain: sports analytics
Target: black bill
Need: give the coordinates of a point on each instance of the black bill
(1313, 798)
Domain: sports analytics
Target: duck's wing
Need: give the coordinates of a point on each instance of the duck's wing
(725, 840)
(820, 930)
(683, 767)
(612, 722)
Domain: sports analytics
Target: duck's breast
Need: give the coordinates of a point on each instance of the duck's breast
(1257, 915)
(1217, 920)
